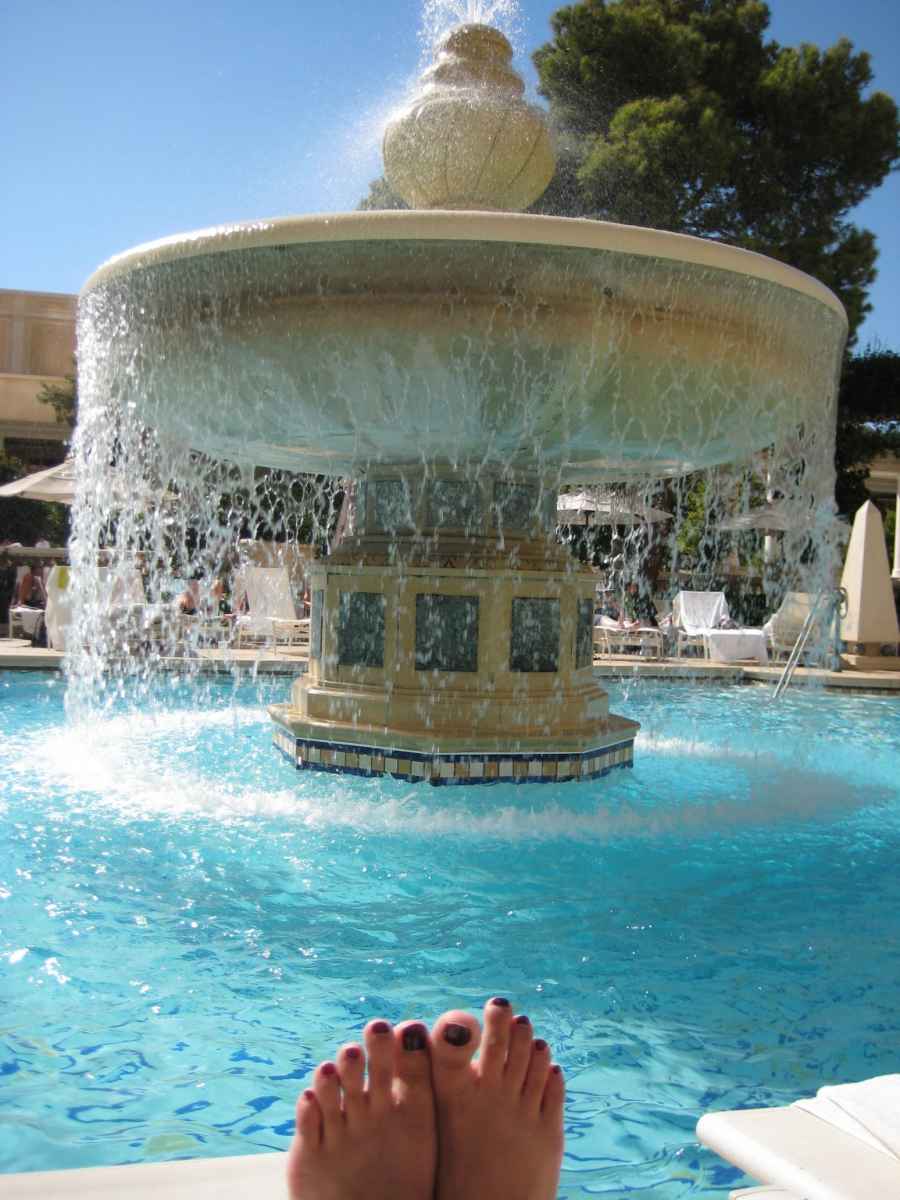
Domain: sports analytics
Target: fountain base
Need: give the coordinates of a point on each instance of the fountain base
(416, 758)
(456, 652)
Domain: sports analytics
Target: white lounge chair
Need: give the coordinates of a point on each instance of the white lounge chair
(272, 615)
(694, 614)
(612, 638)
(785, 624)
(842, 1145)
(701, 619)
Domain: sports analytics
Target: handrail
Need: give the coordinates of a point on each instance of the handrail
(836, 600)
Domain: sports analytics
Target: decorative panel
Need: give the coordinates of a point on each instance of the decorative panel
(584, 634)
(446, 633)
(453, 504)
(315, 623)
(361, 629)
(391, 505)
(534, 636)
(516, 505)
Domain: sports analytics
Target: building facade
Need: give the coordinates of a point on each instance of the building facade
(37, 347)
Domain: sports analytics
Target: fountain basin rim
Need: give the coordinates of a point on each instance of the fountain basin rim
(441, 225)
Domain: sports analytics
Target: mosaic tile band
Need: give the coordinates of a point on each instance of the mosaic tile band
(439, 769)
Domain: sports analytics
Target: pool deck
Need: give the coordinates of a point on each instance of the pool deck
(17, 654)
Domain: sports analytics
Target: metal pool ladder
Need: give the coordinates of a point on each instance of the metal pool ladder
(829, 604)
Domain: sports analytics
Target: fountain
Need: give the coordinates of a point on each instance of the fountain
(458, 363)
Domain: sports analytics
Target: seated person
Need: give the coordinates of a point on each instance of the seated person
(189, 600)
(638, 608)
(32, 593)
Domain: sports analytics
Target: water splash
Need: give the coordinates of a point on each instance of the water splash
(440, 16)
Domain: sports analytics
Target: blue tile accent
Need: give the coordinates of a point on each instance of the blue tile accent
(435, 761)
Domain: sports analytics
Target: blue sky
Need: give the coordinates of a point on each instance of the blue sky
(125, 120)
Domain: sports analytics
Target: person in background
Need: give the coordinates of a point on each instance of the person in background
(638, 608)
(189, 600)
(32, 593)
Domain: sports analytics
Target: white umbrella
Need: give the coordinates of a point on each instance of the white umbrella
(609, 509)
(55, 483)
(773, 517)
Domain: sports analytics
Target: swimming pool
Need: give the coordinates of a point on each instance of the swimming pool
(187, 924)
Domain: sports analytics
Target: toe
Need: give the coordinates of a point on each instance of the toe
(326, 1085)
(454, 1039)
(309, 1121)
(495, 1043)
(380, 1053)
(554, 1097)
(538, 1070)
(519, 1053)
(351, 1065)
(412, 1062)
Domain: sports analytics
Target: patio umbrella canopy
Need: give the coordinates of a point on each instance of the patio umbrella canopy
(605, 509)
(768, 518)
(54, 484)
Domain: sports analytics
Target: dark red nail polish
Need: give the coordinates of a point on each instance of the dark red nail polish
(556, 1070)
(500, 1001)
(457, 1035)
(309, 1094)
(415, 1037)
(540, 1044)
(381, 1027)
(329, 1069)
(522, 1020)
(352, 1052)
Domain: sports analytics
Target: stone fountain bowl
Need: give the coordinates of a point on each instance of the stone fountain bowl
(589, 350)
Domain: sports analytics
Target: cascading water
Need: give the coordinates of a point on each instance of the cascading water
(459, 368)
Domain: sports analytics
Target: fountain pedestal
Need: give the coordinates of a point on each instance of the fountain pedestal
(451, 641)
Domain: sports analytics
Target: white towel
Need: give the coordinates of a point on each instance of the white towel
(696, 612)
(869, 1110)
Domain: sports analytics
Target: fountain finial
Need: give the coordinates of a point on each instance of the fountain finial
(468, 140)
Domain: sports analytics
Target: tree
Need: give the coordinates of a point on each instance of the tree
(63, 399)
(679, 114)
(868, 422)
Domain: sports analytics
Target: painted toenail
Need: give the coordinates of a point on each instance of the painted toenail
(329, 1069)
(500, 1001)
(457, 1035)
(352, 1052)
(556, 1070)
(309, 1094)
(522, 1020)
(381, 1027)
(415, 1037)
(540, 1044)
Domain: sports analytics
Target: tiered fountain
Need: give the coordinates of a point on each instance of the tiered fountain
(460, 362)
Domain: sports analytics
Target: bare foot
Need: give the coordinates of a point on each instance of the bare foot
(370, 1140)
(500, 1119)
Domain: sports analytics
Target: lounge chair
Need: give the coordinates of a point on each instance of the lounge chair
(785, 625)
(842, 1145)
(612, 638)
(272, 615)
(702, 619)
(694, 614)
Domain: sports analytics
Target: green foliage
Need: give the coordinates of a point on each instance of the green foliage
(381, 196)
(679, 114)
(28, 521)
(63, 399)
(868, 423)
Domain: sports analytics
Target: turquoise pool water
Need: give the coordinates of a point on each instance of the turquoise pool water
(187, 924)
